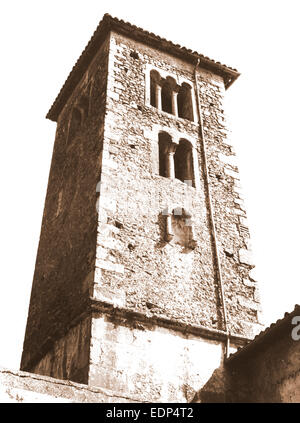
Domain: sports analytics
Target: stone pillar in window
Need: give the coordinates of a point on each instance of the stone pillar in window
(158, 96)
(174, 102)
(170, 166)
(155, 89)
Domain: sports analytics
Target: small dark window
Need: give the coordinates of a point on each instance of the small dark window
(166, 98)
(183, 161)
(83, 105)
(75, 124)
(166, 95)
(185, 104)
(154, 79)
(152, 94)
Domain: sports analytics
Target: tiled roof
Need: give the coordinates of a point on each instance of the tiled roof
(266, 335)
(109, 23)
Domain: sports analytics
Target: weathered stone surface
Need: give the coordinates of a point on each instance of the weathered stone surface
(104, 228)
(68, 358)
(155, 364)
(23, 387)
(67, 247)
(246, 257)
(247, 282)
(109, 295)
(253, 274)
(231, 173)
(231, 160)
(246, 302)
(156, 272)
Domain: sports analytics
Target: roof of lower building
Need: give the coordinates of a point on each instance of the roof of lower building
(109, 23)
(264, 337)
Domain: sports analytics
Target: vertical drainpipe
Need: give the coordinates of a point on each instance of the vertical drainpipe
(211, 212)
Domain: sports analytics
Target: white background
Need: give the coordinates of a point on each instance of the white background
(40, 42)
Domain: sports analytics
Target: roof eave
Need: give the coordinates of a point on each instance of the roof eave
(264, 337)
(109, 23)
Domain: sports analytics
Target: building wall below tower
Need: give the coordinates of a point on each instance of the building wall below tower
(154, 363)
(24, 387)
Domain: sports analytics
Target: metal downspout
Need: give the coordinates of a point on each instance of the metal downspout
(211, 213)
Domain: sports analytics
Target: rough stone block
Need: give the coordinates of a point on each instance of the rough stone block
(245, 302)
(231, 160)
(106, 294)
(108, 265)
(231, 173)
(245, 257)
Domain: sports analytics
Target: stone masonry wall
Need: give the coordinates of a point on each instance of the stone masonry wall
(120, 255)
(135, 267)
(66, 254)
(240, 285)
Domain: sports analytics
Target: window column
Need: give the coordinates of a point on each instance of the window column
(170, 165)
(174, 102)
(158, 95)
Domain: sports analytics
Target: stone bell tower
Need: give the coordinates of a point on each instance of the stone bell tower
(143, 274)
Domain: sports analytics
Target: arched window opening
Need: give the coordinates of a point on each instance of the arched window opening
(183, 162)
(164, 144)
(154, 80)
(166, 95)
(75, 123)
(184, 101)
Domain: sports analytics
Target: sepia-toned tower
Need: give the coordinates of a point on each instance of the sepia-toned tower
(143, 280)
